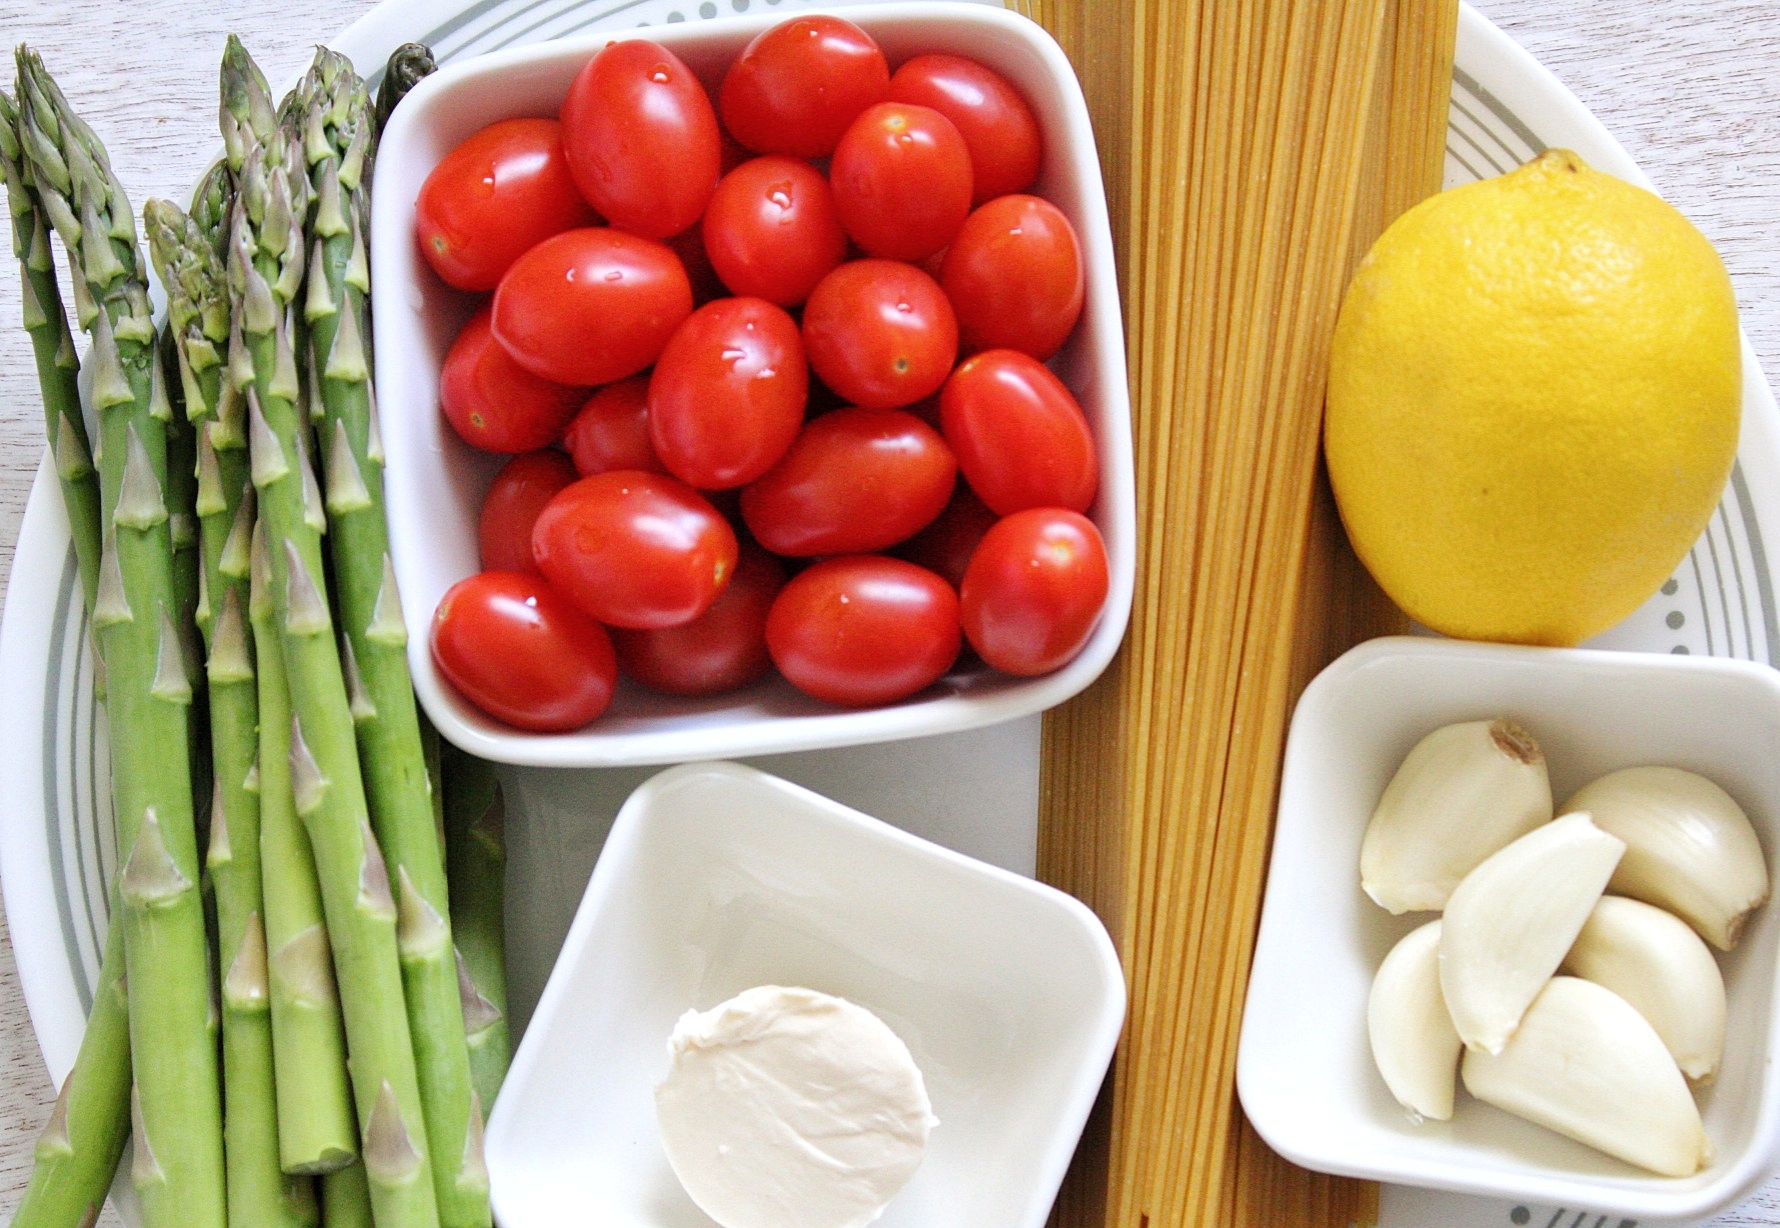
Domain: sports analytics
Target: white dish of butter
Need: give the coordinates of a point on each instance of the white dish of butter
(790, 1108)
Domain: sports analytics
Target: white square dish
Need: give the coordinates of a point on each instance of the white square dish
(435, 482)
(717, 878)
(1305, 1070)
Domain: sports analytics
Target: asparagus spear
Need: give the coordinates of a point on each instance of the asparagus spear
(476, 865)
(266, 258)
(406, 66)
(334, 107)
(178, 1165)
(346, 1198)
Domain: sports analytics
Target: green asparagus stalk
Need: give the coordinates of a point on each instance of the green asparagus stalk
(266, 259)
(346, 1198)
(476, 866)
(178, 1164)
(404, 69)
(335, 113)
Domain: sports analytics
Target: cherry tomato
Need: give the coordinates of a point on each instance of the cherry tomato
(522, 654)
(1014, 275)
(1020, 437)
(771, 230)
(880, 333)
(797, 86)
(945, 546)
(994, 120)
(855, 481)
(511, 506)
(634, 549)
(641, 138)
(498, 193)
(721, 649)
(494, 403)
(611, 431)
(1034, 590)
(901, 177)
(728, 394)
(591, 306)
(864, 629)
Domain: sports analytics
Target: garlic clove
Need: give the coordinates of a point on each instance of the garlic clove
(1689, 847)
(1413, 1041)
(1462, 793)
(1513, 918)
(1586, 1064)
(1655, 961)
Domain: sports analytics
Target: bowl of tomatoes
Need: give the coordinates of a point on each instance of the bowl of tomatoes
(751, 385)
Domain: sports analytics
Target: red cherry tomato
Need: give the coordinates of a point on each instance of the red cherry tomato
(1034, 590)
(1020, 437)
(634, 549)
(591, 306)
(498, 193)
(994, 120)
(495, 404)
(945, 546)
(721, 649)
(611, 431)
(864, 629)
(727, 396)
(641, 138)
(522, 654)
(880, 333)
(797, 86)
(855, 481)
(771, 230)
(1014, 275)
(901, 177)
(511, 506)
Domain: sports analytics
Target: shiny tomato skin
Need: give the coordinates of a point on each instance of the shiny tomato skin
(1034, 590)
(634, 549)
(720, 650)
(864, 629)
(902, 181)
(855, 481)
(880, 333)
(1014, 275)
(641, 138)
(999, 128)
(727, 396)
(611, 431)
(797, 86)
(1020, 437)
(511, 506)
(945, 546)
(771, 230)
(495, 404)
(501, 191)
(591, 306)
(521, 653)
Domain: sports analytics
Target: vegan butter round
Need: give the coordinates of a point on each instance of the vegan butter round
(789, 1108)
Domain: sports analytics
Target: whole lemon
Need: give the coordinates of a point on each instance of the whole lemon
(1534, 392)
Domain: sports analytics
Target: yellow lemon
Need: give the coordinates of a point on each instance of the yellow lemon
(1534, 392)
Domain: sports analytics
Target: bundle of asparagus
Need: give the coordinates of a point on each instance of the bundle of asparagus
(347, 1021)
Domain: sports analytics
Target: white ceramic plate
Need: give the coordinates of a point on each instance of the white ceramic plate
(976, 792)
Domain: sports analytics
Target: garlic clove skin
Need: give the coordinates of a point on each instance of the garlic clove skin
(1462, 793)
(1512, 920)
(1689, 847)
(1656, 962)
(1413, 1040)
(1586, 1064)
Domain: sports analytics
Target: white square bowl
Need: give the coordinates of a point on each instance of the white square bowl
(435, 482)
(1305, 1071)
(718, 877)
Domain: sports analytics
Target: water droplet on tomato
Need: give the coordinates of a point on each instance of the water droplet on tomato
(659, 74)
(615, 275)
(780, 196)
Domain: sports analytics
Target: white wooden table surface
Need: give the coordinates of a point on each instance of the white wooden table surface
(1691, 88)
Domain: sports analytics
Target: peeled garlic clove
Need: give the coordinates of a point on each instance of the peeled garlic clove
(1689, 847)
(1655, 961)
(1510, 922)
(1413, 1041)
(1462, 793)
(1586, 1064)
